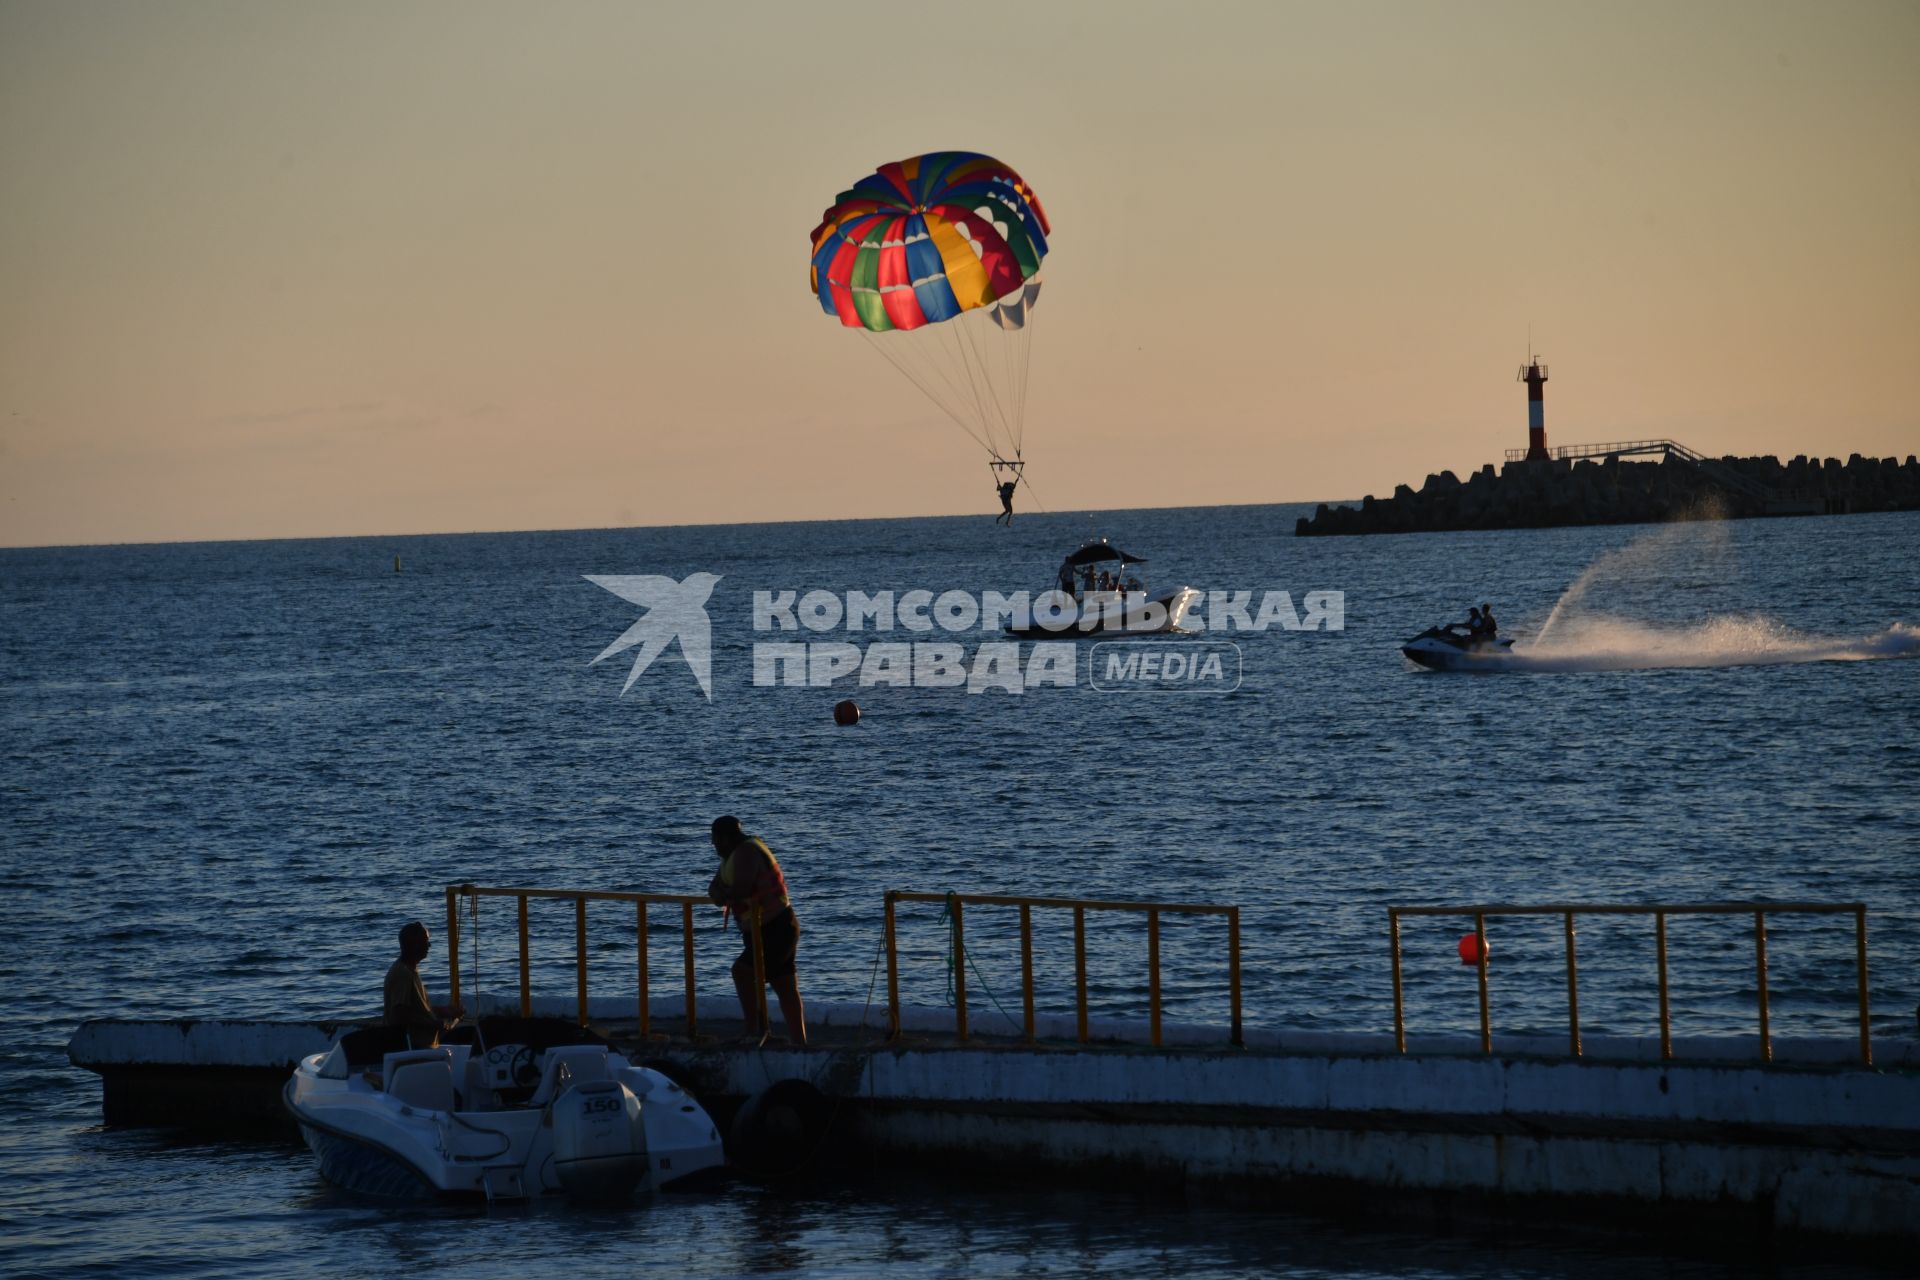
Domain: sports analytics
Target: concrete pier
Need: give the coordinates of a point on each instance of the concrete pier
(1808, 1144)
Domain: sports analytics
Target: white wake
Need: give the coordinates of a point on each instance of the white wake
(1582, 635)
(1602, 643)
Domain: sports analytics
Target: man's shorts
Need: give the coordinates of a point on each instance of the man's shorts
(780, 937)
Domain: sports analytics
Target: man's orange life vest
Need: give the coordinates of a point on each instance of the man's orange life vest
(769, 890)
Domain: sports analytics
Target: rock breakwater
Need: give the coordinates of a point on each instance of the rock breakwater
(1617, 490)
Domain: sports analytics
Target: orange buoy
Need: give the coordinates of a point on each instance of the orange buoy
(846, 712)
(1470, 948)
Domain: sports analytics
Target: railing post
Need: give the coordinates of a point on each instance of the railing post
(453, 945)
(640, 953)
(959, 967)
(1860, 952)
(1233, 970)
(1573, 989)
(1080, 968)
(893, 976)
(1399, 999)
(1026, 965)
(526, 969)
(1486, 1014)
(1760, 963)
(580, 953)
(759, 972)
(1666, 1020)
(1153, 975)
(686, 937)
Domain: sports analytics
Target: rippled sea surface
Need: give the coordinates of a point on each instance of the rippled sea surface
(229, 771)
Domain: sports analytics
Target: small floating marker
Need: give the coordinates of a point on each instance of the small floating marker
(396, 564)
(1470, 949)
(846, 712)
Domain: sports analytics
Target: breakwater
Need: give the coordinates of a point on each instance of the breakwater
(1612, 488)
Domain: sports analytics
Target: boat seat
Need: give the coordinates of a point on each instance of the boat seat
(478, 1093)
(370, 1044)
(422, 1080)
(569, 1066)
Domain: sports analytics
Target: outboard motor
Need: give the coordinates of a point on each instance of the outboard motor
(599, 1144)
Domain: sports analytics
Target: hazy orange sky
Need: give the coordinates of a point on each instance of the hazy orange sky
(287, 269)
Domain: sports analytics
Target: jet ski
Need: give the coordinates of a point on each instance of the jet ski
(1453, 648)
(532, 1108)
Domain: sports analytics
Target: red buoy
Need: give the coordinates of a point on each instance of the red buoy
(1470, 948)
(846, 712)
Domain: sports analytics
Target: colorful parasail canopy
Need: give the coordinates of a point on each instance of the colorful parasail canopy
(927, 239)
(936, 261)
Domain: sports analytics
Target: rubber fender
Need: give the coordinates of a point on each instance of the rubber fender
(779, 1130)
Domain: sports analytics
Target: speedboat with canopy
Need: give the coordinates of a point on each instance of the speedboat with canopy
(1108, 590)
(534, 1106)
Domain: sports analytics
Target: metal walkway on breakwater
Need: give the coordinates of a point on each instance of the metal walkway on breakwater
(1721, 474)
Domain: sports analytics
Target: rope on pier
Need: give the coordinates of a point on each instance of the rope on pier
(947, 918)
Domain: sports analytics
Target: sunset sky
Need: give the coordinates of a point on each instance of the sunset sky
(291, 269)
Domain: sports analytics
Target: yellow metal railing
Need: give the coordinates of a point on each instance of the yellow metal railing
(1758, 910)
(957, 903)
(580, 897)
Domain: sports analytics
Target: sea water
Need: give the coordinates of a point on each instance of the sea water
(228, 772)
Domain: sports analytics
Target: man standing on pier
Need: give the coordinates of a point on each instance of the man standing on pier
(750, 875)
(405, 996)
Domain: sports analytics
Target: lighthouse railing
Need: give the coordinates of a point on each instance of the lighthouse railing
(1477, 954)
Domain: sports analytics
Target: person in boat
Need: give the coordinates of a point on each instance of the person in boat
(750, 875)
(1489, 629)
(404, 998)
(1005, 489)
(1065, 580)
(1471, 626)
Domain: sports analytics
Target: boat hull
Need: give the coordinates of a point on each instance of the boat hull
(1104, 614)
(356, 1165)
(1437, 652)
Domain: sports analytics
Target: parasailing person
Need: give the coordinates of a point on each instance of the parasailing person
(1006, 478)
(935, 261)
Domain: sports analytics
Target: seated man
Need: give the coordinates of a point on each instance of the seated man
(1488, 627)
(405, 996)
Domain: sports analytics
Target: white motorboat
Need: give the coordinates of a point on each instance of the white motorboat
(1101, 590)
(1454, 648)
(534, 1107)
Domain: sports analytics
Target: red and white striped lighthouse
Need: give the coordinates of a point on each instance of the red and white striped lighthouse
(1534, 374)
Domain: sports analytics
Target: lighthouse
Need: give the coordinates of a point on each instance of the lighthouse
(1534, 374)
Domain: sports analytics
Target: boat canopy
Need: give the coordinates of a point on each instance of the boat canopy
(1102, 550)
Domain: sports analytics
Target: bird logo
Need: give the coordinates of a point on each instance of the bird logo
(674, 611)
